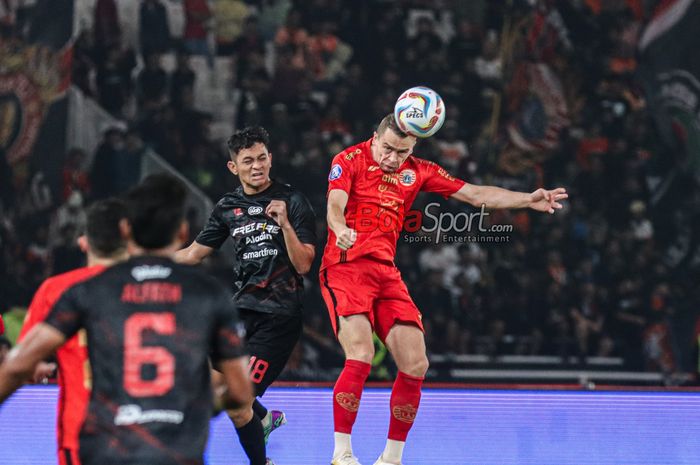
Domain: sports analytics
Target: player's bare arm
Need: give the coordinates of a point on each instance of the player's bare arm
(301, 255)
(345, 237)
(41, 342)
(495, 197)
(194, 254)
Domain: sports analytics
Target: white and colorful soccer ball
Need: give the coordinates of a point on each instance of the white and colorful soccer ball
(419, 112)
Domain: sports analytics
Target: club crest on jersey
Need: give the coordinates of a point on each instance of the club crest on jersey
(336, 171)
(407, 177)
(238, 211)
(255, 210)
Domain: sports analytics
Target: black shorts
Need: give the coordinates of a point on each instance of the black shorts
(270, 340)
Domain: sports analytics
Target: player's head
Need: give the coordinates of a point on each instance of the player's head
(391, 146)
(251, 159)
(103, 238)
(156, 213)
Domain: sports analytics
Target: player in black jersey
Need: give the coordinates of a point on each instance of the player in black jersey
(272, 227)
(152, 325)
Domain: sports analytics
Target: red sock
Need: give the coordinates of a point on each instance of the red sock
(405, 398)
(347, 394)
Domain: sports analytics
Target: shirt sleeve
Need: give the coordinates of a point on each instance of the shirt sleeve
(436, 179)
(67, 315)
(303, 219)
(227, 339)
(341, 174)
(215, 232)
(37, 312)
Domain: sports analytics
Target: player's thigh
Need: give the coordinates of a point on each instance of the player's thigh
(270, 347)
(355, 337)
(406, 342)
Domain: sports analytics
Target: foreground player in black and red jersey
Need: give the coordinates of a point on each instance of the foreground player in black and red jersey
(272, 227)
(151, 325)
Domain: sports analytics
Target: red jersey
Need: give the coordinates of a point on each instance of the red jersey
(73, 367)
(196, 28)
(378, 201)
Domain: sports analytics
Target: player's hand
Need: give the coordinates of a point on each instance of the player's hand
(346, 238)
(43, 371)
(547, 201)
(277, 210)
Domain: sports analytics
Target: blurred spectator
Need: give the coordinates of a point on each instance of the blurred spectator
(229, 19)
(181, 80)
(154, 31)
(114, 84)
(152, 82)
(75, 176)
(107, 29)
(197, 17)
(107, 164)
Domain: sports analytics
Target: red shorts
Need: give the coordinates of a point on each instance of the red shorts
(365, 286)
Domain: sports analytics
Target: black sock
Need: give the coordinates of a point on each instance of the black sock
(259, 409)
(252, 439)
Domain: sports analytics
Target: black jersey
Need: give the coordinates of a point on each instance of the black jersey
(265, 279)
(151, 326)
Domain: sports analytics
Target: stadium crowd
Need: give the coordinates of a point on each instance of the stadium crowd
(319, 75)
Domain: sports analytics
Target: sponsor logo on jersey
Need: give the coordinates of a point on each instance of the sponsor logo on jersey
(255, 210)
(143, 272)
(373, 168)
(348, 401)
(260, 254)
(133, 415)
(405, 413)
(336, 171)
(257, 226)
(260, 238)
(407, 177)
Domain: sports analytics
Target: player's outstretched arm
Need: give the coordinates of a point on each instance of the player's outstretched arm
(19, 366)
(495, 197)
(239, 389)
(194, 254)
(337, 201)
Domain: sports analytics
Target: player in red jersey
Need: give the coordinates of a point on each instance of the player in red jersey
(371, 185)
(104, 247)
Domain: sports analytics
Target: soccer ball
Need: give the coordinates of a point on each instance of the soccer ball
(419, 112)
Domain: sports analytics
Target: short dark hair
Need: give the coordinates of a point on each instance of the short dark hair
(102, 228)
(156, 208)
(5, 342)
(246, 138)
(389, 122)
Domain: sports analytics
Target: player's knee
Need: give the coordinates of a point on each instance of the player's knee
(416, 366)
(360, 351)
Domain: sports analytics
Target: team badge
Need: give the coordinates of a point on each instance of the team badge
(407, 177)
(238, 211)
(336, 171)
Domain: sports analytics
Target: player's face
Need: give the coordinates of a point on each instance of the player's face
(390, 150)
(252, 166)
